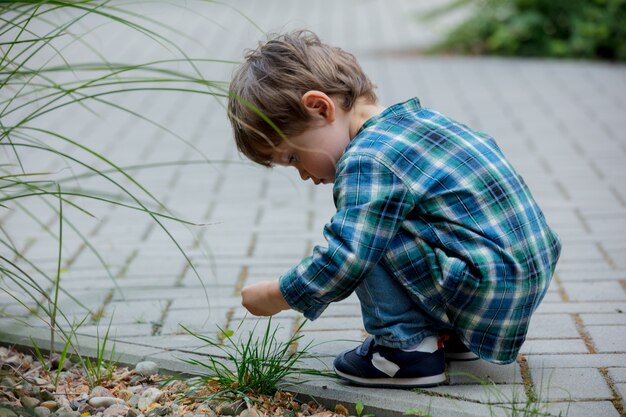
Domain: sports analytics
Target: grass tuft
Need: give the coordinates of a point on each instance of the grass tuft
(249, 365)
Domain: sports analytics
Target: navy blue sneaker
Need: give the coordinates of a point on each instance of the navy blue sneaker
(378, 366)
(455, 350)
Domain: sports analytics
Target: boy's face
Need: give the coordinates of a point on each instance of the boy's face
(315, 152)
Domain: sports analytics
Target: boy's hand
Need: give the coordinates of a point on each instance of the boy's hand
(263, 298)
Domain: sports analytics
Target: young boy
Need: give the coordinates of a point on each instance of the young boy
(440, 238)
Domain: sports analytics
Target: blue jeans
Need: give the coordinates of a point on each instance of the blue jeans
(390, 314)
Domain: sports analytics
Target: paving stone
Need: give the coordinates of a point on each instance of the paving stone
(599, 291)
(485, 394)
(477, 372)
(171, 341)
(595, 319)
(335, 323)
(565, 384)
(608, 338)
(537, 346)
(134, 329)
(576, 360)
(583, 409)
(331, 343)
(200, 320)
(552, 326)
(581, 307)
(618, 374)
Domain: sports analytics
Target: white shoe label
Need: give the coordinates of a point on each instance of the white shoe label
(384, 365)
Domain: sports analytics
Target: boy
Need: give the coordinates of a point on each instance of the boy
(440, 238)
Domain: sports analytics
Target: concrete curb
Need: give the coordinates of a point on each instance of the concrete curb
(329, 392)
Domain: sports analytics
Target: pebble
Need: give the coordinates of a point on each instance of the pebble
(159, 411)
(104, 401)
(41, 411)
(204, 410)
(29, 402)
(148, 397)
(147, 368)
(50, 405)
(232, 408)
(63, 402)
(116, 410)
(125, 394)
(46, 396)
(137, 389)
(7, 382)
(250, 412)
(100, 392)
(85, 408)
(41, 381)
(5, 412)
(134, 400)
(133, 412)
(136, 379)
(64, 412)
(76, 404)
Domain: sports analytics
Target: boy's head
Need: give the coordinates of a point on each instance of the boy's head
(265, 105)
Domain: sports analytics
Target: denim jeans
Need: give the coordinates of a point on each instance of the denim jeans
(390, 314)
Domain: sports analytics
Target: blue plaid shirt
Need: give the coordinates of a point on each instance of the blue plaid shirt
(443, 211)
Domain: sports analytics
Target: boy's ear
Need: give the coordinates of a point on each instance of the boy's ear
(319, 105)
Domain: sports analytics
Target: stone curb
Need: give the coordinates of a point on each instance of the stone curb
(329, 392)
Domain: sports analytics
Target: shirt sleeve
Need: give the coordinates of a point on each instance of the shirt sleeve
(372, 203)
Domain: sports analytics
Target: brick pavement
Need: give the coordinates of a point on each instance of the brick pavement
(561, 123)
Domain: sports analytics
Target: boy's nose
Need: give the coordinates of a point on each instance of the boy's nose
(303, 174)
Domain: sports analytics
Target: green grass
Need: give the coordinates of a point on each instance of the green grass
(37, 80)
(249, 365)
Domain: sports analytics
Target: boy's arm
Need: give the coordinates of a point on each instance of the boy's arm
(263, 298)
(372, 203)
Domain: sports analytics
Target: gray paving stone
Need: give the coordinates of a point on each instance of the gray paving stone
(335, 323)
(484, 394)
(331, 343)
(537, 346)
(621, 389)
(601, 319)
(581, 307)
(201, 320)
(479, 372)
(599, 291)
(552, 326)
(618, 374)
(576, 361)
(608, 338)
(565, 384)
(174, 341)
(583, 409)
(134, 329)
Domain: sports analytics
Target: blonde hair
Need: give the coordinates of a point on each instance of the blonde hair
(264, 105)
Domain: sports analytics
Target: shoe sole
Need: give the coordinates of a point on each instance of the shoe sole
(422, 382)
(461, 356)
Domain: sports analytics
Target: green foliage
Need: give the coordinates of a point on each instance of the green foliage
(546, 28)
(359, 409)
(100, 368)
(41, 74)
(254, 366)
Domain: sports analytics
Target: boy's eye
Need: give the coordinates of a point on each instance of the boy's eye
(291, 159)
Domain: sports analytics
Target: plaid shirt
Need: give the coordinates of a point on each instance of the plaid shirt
(445, 213)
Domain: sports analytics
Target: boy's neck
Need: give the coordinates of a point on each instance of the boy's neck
(360, 113)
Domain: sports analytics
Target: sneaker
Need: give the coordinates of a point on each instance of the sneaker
(373, 365)
(455, 350)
